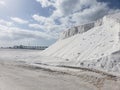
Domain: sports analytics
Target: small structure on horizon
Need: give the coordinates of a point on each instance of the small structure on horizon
(30, 47)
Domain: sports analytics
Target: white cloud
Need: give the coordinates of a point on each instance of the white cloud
(46, 3)
(45, 23)
(15, 33)
(66, 13)
(10, 35)
(71, 12)
(6, 23)
(2, 2)
(90, 14)
(52, 29)
(70, 7)
(35, 26)
(19, 20)
(43, 20)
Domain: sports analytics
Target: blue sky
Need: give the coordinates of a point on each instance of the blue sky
(112, 3)
(39, 22)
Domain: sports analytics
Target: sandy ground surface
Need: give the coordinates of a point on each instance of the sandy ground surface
(14, 76)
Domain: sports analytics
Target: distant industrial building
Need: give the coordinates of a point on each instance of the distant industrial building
(30, 47)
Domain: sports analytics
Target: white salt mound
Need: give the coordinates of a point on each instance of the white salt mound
(93, 45)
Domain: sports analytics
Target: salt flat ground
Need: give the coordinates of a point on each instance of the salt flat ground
(17, 78)
(16, 75)
(19, 54)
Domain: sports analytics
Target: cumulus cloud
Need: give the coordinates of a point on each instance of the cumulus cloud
(52, 29)
(45, 23)
(69, 13)
(48, 25)
(82, 10)
(14, 35)
(65, 14)
(19, 20)
(90, 14)
(43, 20)
(74, 12)
(35, 26)
(6, 23)
(46, 3)
(2, 2)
